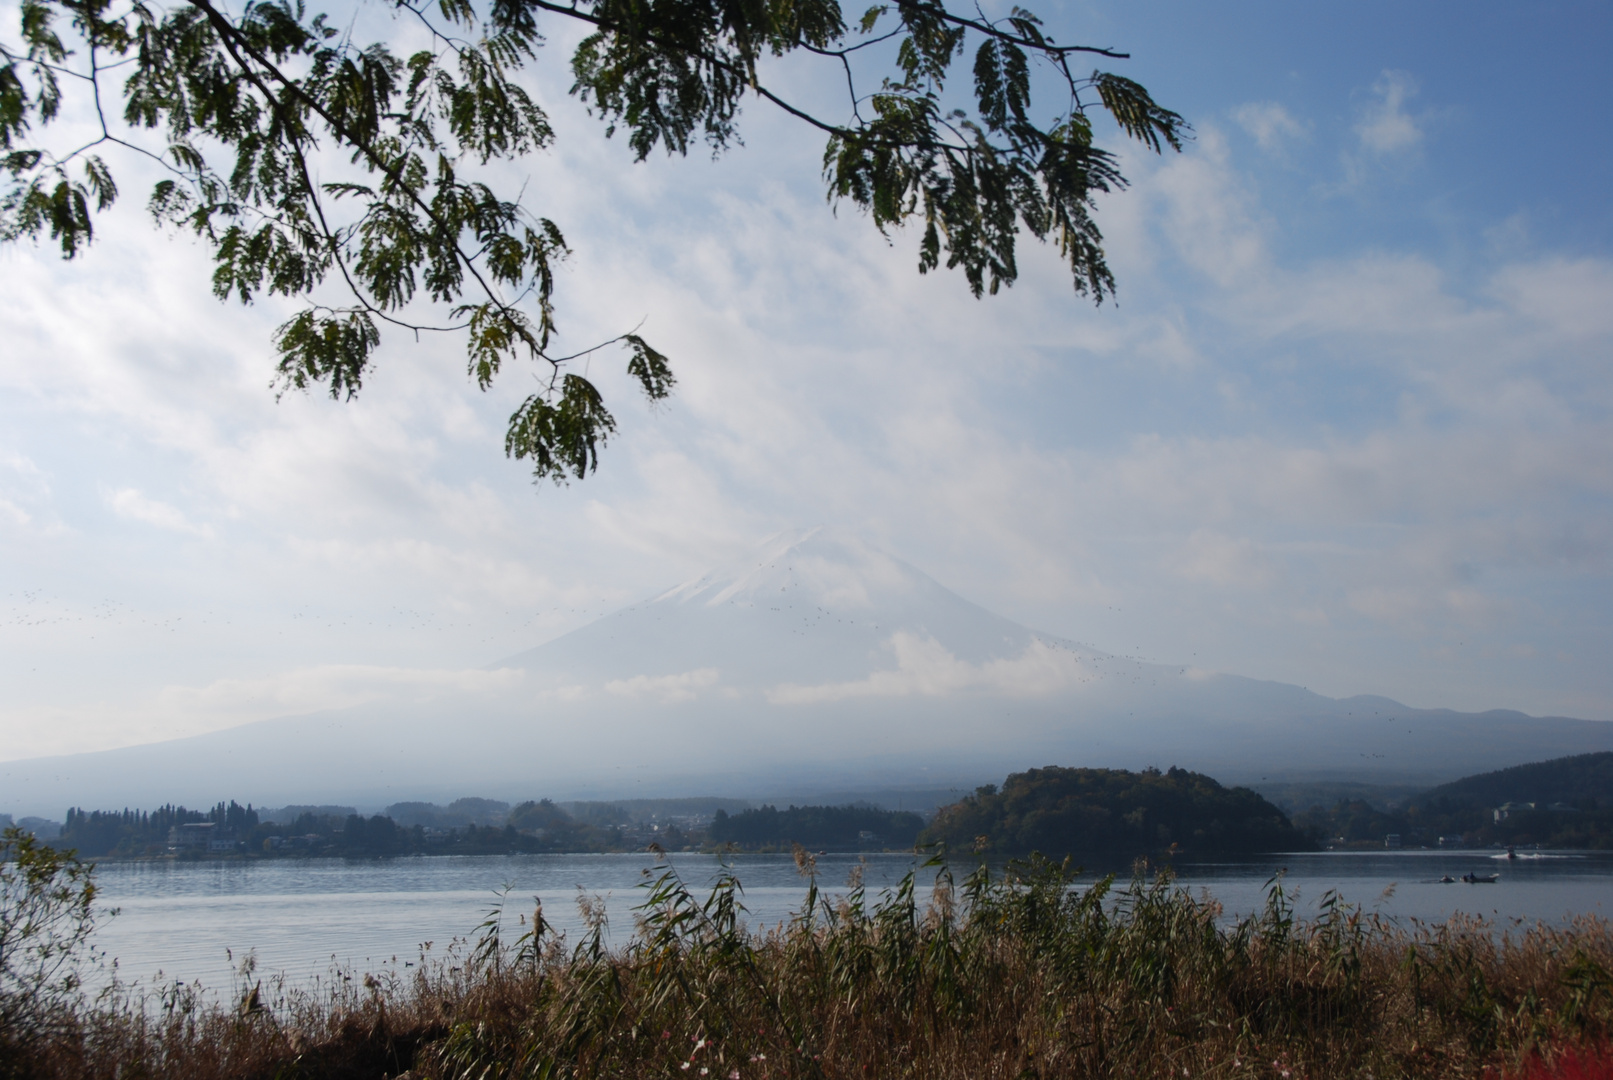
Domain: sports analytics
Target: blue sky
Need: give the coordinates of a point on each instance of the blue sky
(1346, 425)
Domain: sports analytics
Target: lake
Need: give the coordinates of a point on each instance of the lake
(193, 921)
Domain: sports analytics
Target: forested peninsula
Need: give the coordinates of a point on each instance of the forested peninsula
(1115, 814)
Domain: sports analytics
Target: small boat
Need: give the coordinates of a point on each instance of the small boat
(1447, 880)
(1511, 854)
(1480, 879)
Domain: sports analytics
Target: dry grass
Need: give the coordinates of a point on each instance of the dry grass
(1013, 977)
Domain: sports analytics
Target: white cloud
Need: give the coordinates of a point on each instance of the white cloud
(684, 686)
(1268, 123)
(1564, 299)
(1417, 603)
(25, 497)
(129, 503)
(1210, 217)
(925, 667)
(176, 711)
(1229, 462)
(1385, 127)
(329, 686)
(1223, 560)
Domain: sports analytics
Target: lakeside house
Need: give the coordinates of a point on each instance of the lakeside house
(1507, 809)
(201, 836)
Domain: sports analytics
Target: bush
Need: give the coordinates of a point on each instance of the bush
(46, 917)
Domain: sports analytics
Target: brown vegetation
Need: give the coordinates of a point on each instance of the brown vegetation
(1012, 976)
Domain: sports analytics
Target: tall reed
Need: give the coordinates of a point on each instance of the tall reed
(1013, 974)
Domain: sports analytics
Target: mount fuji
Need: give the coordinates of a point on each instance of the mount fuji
(818, 663)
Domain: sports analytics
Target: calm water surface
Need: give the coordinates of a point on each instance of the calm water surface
(193, 921)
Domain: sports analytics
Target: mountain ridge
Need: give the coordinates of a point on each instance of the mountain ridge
(816, 662)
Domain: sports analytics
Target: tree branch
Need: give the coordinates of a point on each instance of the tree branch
(232, 39)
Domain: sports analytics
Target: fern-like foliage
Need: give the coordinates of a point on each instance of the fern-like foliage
(305, 158)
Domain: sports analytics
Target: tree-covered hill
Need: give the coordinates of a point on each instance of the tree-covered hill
(1563, 803)
(1582, 778)
(1113, 813)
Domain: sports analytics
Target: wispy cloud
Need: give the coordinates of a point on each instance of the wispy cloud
(1275, 452)
(176, 711)
(926, 668)
(1269, 124)
(1385, 127)
(684, 686)
(1218, 559)
(129, 503)
(25, 496)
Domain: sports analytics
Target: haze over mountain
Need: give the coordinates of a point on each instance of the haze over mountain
(817, 663)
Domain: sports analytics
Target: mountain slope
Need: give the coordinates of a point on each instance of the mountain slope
(1581, 778)
(811, 605)
(817, 663)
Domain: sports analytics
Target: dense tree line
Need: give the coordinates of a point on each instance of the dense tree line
(529, 827)
(1357, 822)
(1114, 814)
(817, 827)
(1571, 797)
(457, 814)
(138, 832)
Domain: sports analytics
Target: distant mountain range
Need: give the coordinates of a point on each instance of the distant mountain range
(817, 664)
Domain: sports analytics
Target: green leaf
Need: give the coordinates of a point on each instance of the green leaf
(101, 183)
(35, 206)
(497, 332)
(317, 345)
(305, 157)
(650, 368)
(871, 17)
(1137, 113)
(562, 438)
